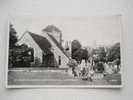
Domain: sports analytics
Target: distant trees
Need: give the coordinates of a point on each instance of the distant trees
(99, 54)
(113, 53)
(102, 54)
(99, 57)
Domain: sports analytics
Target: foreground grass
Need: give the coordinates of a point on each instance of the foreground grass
(52, 77)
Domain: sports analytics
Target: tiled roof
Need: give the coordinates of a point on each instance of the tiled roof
(42, 42)
(58, 45)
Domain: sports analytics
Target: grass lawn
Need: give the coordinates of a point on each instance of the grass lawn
(52, 77)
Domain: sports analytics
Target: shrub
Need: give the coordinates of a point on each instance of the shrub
(72, 63)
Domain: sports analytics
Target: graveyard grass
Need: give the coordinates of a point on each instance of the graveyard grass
(44, 76)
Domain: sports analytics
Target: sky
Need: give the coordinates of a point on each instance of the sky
(94, 30)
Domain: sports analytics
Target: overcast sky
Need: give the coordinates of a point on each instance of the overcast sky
(88, 30)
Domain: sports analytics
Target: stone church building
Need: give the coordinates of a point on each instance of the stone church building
(47, 47)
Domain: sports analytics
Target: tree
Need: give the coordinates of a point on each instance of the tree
(75, 45)
(72, 63)
(99, 55)
(77, 55)
(51, 28)
(13, 38)
(102, 54)
(114, 53)
(54, 31)
(19, 55)
(85, 54)
(76, 50)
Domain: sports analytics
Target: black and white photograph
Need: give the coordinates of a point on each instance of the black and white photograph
(64, 51)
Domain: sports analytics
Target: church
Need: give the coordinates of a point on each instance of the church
(47, 47)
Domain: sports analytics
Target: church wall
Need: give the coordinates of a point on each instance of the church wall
(27, 39)
(57, 52)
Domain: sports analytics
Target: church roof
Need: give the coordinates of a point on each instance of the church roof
(45, 45)
(42, 42)
(59, 45)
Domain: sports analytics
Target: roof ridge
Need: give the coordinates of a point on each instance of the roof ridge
(23, 35)
(58, 45)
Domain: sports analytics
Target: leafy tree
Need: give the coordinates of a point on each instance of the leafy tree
(77, 55)
(102, 54)
(56, 32)
(19, 55)
(114, 53)
(76, 50)
(99, 54)
(72, 63)
(52, 28)
(13, 38)
(75, 45)
(85, 54)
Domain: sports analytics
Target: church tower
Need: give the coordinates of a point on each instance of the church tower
(55, 32)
